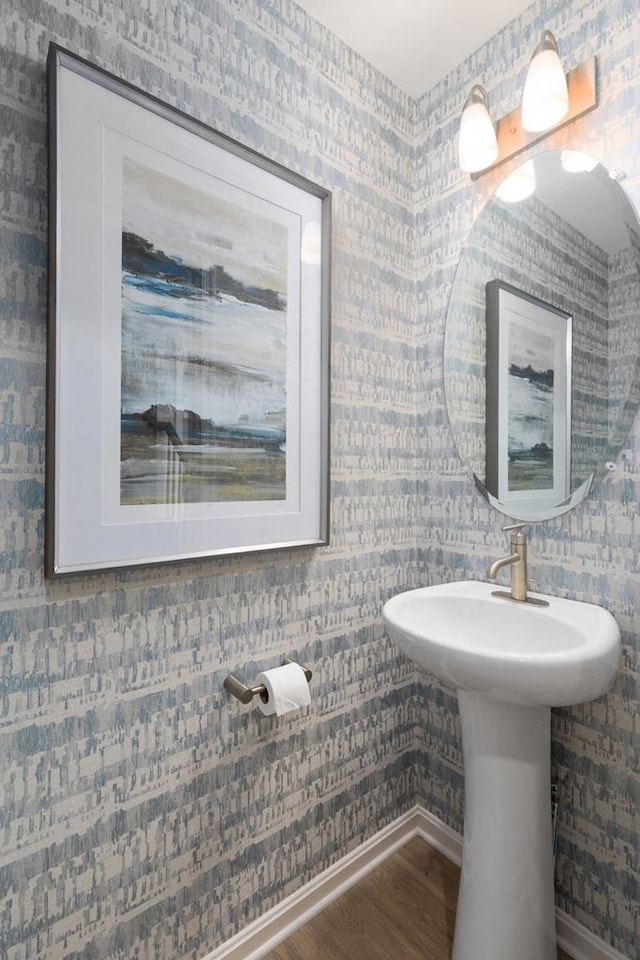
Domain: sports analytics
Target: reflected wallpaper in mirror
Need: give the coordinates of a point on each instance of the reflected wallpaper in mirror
(575, 244)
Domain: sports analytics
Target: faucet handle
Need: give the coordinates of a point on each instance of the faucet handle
(518, 536)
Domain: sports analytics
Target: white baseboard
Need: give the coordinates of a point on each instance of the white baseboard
(580, 943)
(261, 936)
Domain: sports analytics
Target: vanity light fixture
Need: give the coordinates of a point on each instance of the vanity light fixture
(477, 144)
(551, 99)
(545, 99)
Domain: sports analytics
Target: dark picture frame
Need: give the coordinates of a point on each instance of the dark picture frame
(528, 399)
(188, 342)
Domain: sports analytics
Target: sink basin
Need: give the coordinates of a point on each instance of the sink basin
(510, 663)
(555, 655)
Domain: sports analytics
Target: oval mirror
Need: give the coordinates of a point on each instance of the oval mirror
(542, 341)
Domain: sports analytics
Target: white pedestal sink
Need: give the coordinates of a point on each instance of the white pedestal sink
(510, 663)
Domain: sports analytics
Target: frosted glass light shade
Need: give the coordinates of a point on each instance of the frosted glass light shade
(518, 185)
(477, 144)
(573, 161)
(545, 100)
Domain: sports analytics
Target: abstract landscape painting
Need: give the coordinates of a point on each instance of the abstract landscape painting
(188, 336)
(531, 409)
(203, 345)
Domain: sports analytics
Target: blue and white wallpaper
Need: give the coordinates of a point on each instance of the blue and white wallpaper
(590, 553)
(143, 814)
(143, 811)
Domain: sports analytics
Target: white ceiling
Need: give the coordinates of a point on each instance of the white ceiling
(415, 42)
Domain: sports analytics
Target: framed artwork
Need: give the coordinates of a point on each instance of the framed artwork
(188, 372)
(528, 423)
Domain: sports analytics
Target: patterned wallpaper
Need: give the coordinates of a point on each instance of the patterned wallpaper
(590, 553)
(624, 367)
(526, 244)
(143, 814)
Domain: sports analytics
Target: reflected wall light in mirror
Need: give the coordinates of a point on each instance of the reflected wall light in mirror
(311, 244)
(518, 185)
(550, 100)
(575, 245)
(574, 161)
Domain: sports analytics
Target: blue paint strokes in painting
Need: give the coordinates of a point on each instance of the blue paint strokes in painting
(531, 412)
(203, 346)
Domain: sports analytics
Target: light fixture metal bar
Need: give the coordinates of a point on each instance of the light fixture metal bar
(512, 139)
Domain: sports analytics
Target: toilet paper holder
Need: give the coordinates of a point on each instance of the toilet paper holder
(246, 694)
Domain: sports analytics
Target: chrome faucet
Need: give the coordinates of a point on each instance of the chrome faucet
(517, 560)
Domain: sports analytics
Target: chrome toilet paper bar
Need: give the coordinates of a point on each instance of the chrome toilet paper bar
(246, 694)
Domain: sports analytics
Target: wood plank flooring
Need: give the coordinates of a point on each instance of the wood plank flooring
(403, 910)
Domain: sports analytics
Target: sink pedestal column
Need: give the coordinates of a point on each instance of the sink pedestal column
(506, 906)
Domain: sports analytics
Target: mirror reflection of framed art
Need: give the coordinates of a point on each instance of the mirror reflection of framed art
(575, 244)
(528, 398)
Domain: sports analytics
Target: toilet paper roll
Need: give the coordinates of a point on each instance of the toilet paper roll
(287, 689)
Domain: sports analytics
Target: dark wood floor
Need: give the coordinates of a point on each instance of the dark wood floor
(402, 910)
